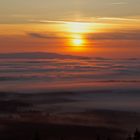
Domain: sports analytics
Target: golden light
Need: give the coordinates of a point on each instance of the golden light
(77, 42)
(78, 27)
(77, 31)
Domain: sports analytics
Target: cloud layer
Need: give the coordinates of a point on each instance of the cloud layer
(55, 67)
(120, 35)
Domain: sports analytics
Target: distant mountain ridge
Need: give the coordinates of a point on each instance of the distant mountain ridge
(39, 55)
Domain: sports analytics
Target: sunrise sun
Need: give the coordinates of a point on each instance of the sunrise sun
(76, 33)
(77, 42)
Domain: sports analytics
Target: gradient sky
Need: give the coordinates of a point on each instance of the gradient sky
(107, 28)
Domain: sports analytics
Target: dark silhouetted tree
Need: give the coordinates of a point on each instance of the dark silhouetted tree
(108, 138)
(137, 135)
(98, 137)
(129, 138)
(36, 136)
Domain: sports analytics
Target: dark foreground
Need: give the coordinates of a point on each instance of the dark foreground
(47, 117)
(39, 131)
(36, 127)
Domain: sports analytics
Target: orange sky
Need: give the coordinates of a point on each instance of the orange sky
(93, 38)
(81, 27)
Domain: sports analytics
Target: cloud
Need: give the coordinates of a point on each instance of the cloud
(57, 66)
(128, 35)
(43, 35)
(57, 21)
(119, 3)
(90, 20)
(120, 19)
(48, 21)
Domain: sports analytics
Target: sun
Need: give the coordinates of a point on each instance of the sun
(77, 35)
(77, 42)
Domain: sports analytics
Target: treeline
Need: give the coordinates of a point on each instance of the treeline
(135, 136)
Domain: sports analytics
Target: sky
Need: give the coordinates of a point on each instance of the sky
(108, 28)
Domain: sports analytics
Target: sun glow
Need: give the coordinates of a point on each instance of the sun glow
(77, 31)
(77, 42)
(78, 27)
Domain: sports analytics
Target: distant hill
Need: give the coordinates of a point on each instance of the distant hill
(39, 55)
